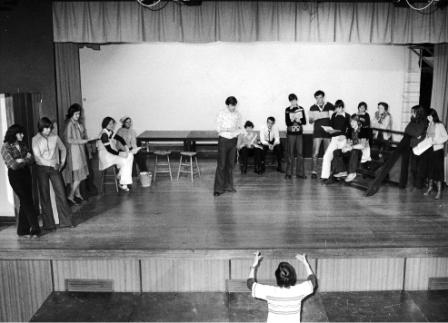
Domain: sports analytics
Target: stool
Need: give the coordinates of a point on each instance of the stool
(188, 164)
(106, 174)
(166, 166)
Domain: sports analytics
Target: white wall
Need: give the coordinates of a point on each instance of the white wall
(168, 86)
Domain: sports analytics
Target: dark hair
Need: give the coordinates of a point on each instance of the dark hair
(44, 123)
(271, 118)
(362, 104)
(419, 112)
(356, 118)
(285, 275)
(292, 96)
(319, 93)
(339, 104)
(106, 121)
(10, 135)
(75, 107)
(248, 124)
(231, 100)
(434, 115)
(385, 105)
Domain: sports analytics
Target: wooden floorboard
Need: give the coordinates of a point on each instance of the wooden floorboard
(268, 212)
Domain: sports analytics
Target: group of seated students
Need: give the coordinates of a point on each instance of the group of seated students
(347, 141)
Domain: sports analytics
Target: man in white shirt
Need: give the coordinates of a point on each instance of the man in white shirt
(229, 126)
(270, 139)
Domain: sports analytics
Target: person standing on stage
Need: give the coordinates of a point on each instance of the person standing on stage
(229, 126)
(75, 138)
(319, 115)
(295, 120)
(18, 158)
(50, 155)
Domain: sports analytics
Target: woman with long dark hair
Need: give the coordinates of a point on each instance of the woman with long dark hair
(437, 133)
(18, 158)
(75, 139)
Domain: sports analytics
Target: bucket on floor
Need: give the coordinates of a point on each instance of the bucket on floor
(145, 179)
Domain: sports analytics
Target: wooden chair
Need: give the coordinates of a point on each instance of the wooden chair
(111, 173)
(186, 167)
(162, 167)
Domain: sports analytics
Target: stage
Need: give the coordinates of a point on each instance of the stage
(178, 237)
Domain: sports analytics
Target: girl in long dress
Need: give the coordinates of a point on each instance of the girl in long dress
(75, 139)
(109, 154)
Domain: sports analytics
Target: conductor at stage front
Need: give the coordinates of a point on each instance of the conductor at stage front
(229, 126)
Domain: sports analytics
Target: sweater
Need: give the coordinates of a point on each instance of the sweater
(321, 117)
(294, 127)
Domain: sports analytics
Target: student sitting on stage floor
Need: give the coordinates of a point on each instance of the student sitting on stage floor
(270, 140)
(50, 155)
(339, 124)
(356, 144)
(130, 137)
(284, 300)
(436, 133)
(109, 155)
(319, 115)
(248, 145)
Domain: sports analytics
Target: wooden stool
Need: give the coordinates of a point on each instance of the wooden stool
(106, 174)
(188, 164)
(166, 166)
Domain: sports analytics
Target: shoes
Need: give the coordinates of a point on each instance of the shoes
(301, 176)
(314, 175)
(231, 190)
(340, 174)
(124, 188)
(67, 226)
(288, 176)
(71, 201)
(350, 177)
(216, 193)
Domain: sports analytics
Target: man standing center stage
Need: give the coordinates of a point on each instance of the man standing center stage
(229, 126)
(320, 116)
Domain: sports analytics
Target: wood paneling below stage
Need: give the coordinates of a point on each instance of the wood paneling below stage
(123, 272)
(24, 286)
(419, 270)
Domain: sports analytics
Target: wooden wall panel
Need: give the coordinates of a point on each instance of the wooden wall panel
(419, 270)
(184, 275)
(360, 274)
(240, 268)
(24, 286)
(125, 273)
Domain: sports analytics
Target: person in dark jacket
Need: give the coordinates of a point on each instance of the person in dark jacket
(295, 120)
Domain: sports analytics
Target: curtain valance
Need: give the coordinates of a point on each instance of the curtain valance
(247, 21)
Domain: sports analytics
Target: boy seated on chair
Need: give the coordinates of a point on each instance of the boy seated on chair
(270, 140)
(355, 150)
(248, 145)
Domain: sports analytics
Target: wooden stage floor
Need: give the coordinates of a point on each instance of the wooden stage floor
(268, 213)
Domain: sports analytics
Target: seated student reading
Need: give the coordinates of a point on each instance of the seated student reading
(248, 145)
(270, 140)
(357, 142)
(339, 124)
(285, 299)
(109, 154)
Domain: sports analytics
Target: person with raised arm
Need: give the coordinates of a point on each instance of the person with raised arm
(285, 299)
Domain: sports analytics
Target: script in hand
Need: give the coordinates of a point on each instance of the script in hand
(330, 130)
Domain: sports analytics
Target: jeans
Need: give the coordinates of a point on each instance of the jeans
(295, 145)
(226, 163)
(316, 147)
(20, 181)
(45, 174)
(335, 143)
(244, 156)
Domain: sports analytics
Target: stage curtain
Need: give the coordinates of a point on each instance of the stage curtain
(68, 78)
(246, 21)
(439, 95)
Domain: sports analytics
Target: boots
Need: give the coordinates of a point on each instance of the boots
(439, 190)
(430, 187)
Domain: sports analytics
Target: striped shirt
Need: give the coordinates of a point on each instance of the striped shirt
(284, 304)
